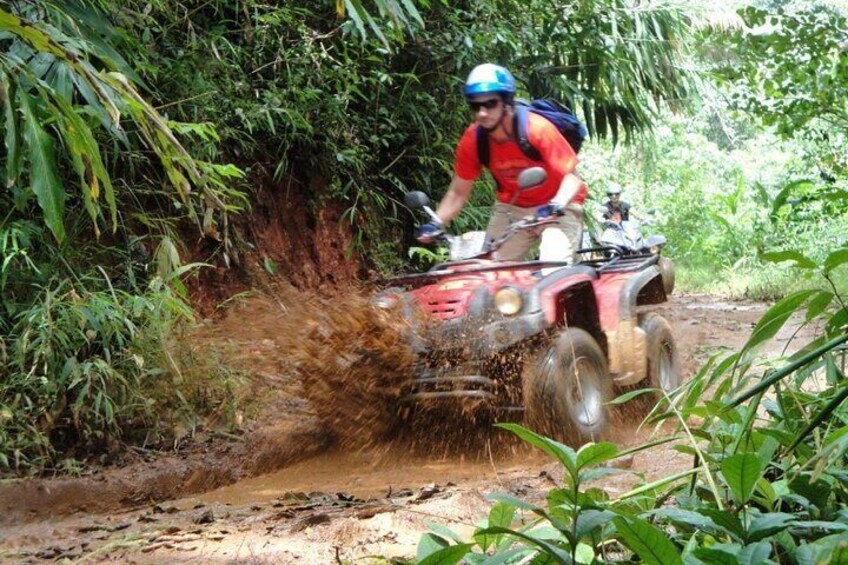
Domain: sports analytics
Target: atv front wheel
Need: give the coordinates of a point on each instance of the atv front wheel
(666, 266)
(663, 364)
(566, 387)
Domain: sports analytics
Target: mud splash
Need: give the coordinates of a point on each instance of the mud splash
(353, 363)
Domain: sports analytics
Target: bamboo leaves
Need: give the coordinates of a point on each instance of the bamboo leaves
(43, 174)
(403, 15)
(11, 137)
(52, 85)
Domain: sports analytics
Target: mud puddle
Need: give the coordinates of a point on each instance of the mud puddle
(367, 474)
(728, 307)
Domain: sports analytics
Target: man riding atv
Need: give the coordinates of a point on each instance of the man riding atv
(490, 92)
(548, 342)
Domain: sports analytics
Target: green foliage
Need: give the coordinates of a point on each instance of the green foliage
(726, 212)
(790, 68)
(57, 71)
(81, 367)
(86, 321)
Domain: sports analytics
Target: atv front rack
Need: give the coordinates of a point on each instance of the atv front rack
(450, 269)
(618, 263)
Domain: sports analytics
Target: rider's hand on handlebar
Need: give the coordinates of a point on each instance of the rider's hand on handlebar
(429, 232)
(549, 210)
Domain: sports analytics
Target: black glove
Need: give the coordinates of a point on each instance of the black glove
(429, 232)
(549, 210)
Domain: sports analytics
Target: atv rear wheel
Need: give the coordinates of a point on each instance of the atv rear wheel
(566, 387)
(666, 266)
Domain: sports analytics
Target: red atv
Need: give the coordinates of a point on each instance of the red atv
(556, 347)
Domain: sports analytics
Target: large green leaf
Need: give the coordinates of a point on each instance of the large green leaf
(769, 524)
(799, 258)
(741, 472)
(819, 304)
(690, 518)
(596, 453)
(450, 555)
(650, 543)
(430, 544)
(507, 557)
(43, 173)
(754, 554)
(11, 139)
(719, 554)
(440, 530)
(589, 520)
(826, 550)
(835, 259)
(561, 452)
(776, 317)
(816, 491)
(727, 520)
(500, 515)
(556, 554)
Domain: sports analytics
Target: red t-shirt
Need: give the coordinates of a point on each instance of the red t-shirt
(506, 161)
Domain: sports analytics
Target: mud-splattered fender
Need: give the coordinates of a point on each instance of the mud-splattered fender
(628, 361)
(552, 288)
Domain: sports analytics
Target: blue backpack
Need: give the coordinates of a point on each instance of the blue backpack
(564, 119)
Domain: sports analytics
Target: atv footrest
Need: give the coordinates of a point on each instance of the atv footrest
(453, 386)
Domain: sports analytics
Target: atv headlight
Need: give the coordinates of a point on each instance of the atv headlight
(508, 301)
(385, 301)
(655, 249)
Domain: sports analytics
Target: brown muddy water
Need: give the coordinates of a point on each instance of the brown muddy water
(366, 475)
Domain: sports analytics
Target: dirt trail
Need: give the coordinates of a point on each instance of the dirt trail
(333, 507)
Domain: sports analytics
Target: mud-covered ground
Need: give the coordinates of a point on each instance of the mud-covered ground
(316, 502)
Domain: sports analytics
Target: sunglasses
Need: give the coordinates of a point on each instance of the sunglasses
(487, 104)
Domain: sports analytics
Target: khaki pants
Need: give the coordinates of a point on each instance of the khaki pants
(557, 242)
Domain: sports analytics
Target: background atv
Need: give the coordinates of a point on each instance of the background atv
(626, 238)
(502, 337)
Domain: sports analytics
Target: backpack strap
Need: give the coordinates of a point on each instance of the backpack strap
(483, 146)
(522, 135)
(521, 125)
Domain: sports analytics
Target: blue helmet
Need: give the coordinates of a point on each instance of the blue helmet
(489, 78)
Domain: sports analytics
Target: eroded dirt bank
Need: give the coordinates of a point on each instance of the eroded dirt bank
(336, 506)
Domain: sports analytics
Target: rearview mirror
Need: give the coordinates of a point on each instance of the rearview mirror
(529, 178)
(416, 200)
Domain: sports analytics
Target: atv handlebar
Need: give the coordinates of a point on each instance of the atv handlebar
(525, 223)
